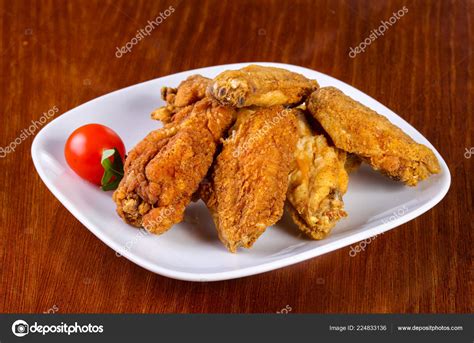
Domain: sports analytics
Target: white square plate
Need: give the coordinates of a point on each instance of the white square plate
(191, 250)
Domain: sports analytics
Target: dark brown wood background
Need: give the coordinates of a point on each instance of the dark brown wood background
(58, 53)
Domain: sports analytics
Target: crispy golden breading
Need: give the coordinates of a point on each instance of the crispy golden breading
(188, 92)
(261, 86)
(249, 181)
(165, 169)
(359, 130)
(317, 182)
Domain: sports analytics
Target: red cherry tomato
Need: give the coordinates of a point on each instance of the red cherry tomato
(84, 147)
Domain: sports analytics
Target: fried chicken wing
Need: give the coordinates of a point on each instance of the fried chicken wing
(249, 180)
(188, 92)
(261, 86)
(165, 169)
(360, 130)
(317, 182)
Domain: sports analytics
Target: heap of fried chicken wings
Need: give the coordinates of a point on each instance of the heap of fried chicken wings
(252, 140)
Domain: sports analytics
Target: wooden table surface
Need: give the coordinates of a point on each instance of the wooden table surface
(57, 53)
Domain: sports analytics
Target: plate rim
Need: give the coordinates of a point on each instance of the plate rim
(251, 270)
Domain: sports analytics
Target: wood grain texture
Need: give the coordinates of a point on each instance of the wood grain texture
(57, 53)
